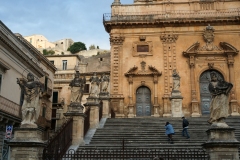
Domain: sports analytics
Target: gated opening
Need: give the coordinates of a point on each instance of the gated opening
(143, 104)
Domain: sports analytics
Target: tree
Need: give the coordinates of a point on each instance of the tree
(92, 47)
(46, 52)
(76, 47)
(97, 47)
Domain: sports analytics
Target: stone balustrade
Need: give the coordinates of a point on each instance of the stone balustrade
(9, 107)
(172, 15)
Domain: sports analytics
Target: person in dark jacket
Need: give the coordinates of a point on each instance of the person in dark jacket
(169, 131)
(185, 124)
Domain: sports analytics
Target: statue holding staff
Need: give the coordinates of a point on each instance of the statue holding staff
(32, 91)
(219, 90)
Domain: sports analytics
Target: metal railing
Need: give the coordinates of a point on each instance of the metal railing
(60, 142)
(138, 154)
(9, 107)
(171, 15)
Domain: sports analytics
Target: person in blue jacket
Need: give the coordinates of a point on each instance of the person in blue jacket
(169, 131)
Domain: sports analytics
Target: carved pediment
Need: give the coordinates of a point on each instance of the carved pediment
(151, 71)
(193, 48)
(228, 47)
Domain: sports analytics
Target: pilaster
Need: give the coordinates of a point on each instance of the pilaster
(169, 52)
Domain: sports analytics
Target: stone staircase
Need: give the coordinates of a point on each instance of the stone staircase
(149, 132)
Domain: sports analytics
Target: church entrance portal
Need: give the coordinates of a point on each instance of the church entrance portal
(143, 101)
(204, 92)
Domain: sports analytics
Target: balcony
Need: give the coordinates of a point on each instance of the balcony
(10, 107)
(174, 16)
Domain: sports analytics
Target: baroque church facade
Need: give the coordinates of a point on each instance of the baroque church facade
(150, 39)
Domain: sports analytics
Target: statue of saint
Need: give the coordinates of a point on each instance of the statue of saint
(77, 88)
(31, 104)
(104, 82)
(94, 91)
(219, 90)
(176, 80)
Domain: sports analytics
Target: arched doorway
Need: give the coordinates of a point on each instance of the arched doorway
(143, 104)
(205, 95)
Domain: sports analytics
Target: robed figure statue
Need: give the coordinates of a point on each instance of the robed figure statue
(32, 91)
(104, 83)
(219, 90)
(94, 91)
(77, 88)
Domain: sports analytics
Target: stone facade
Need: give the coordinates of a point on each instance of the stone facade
(149, 39)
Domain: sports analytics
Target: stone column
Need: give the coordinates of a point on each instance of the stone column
(104, 97)
(130, 105)
(27, 144)
(194, 102)
(94, 104)
(75, 110)
(222, 143)
(156, 105)
(233, 101)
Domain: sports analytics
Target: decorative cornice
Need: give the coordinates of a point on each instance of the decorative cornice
(169, 38)
(117, 40)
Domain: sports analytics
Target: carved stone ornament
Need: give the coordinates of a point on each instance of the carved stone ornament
(210, 65)
(143, 65)
(152, 71)
(142, 38)
(169, 38)
(208, 36)
(117, 40)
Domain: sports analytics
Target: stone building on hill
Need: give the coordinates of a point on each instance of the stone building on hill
(67, 65)
(18, 58)
(152, 38)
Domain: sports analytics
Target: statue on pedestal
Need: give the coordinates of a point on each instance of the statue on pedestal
(176, 80)
(94, 91)
(32, 91)
(219, 90)
(104, 82)
(77, 88)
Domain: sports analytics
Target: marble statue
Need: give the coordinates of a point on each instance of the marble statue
(32, 91)
(77, 88)
(176, 80)
(219, 90)
(94, 91)
(104, 82)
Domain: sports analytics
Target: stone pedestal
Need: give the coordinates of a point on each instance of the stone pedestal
(166, 107)
(234, 108)
(195, 109)
(156, 111)
(130, 109)
(104, 97)
(222, 144)
(27, 144)
(75, 110)
(93, 103)
(176, 103)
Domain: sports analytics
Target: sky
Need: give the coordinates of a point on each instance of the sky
(79, 20)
